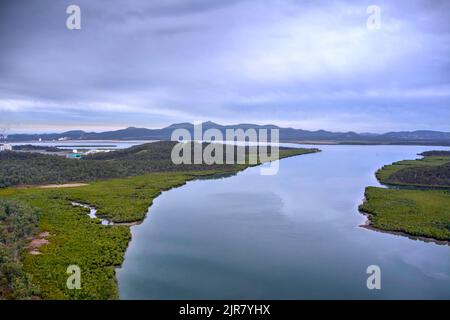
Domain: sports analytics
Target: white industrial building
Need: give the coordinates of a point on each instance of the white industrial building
(4, 147)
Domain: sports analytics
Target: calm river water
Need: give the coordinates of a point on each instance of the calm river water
(294, 235)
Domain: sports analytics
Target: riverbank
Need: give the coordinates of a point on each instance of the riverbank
(417, 206)
(79, 240)
(367, 225)
(422, 214)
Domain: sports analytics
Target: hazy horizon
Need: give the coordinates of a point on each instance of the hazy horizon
(300, 64)
(56, 131)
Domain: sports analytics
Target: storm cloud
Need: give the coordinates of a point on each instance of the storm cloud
(305, 64)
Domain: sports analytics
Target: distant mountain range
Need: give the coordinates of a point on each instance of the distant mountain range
(422, 137)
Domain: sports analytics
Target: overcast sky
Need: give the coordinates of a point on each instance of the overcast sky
(304, 64)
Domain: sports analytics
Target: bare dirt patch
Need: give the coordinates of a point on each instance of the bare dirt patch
(37, 242)
(66, 185)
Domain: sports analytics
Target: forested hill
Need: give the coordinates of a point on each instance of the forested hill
(422, 137)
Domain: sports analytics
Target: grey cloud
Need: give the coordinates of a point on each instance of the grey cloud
(224, 60)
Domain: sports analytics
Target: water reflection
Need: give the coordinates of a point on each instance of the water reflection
(294, 235)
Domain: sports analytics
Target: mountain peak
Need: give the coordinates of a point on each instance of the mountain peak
(179, 125)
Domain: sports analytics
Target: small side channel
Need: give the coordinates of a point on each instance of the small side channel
(93, 213)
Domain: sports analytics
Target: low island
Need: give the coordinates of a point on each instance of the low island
(416, 201)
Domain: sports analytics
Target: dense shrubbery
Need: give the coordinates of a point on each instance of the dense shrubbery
(30, 147)
(436, 153)
(431, 171)
(17, 224)
(22, 168)
(415, 212)
(74, 239)
(423, 176)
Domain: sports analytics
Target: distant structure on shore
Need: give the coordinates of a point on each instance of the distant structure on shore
(5, 147)
(74, 155)
(78, 155)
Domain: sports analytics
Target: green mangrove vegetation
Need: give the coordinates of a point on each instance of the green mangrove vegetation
(430, 171)
(424, 213)
(18, 223)
(30, 147)
(410, 208)
(76, 239)
(25, 168)
(438, 153)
